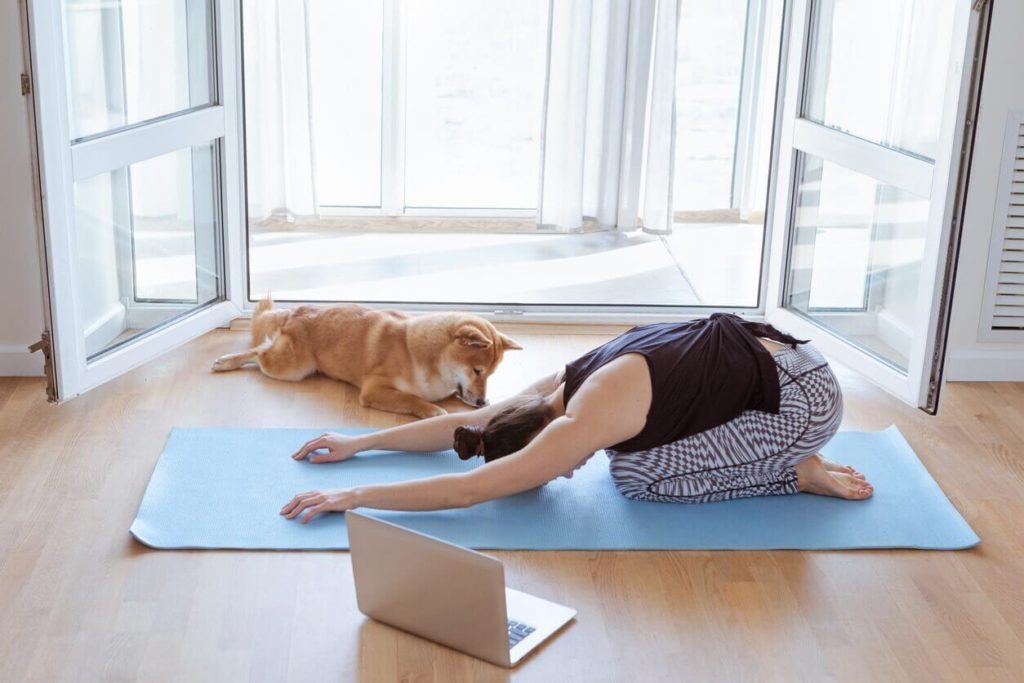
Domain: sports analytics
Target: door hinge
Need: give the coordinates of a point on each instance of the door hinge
(51, 380)
(26, 85)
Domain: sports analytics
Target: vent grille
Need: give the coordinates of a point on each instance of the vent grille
(1006, 279)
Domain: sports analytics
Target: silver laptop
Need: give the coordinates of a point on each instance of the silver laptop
(446, 593)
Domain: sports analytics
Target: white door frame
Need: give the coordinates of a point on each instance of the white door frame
(938, 180)
(61, 163)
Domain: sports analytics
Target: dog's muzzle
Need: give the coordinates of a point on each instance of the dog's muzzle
(460, 392)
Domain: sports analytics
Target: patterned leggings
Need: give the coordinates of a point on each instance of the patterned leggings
(751, 455)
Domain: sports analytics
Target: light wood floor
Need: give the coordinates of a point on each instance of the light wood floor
(80, 600)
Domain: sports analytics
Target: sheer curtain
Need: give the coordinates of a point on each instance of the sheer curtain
(278, 124)
(609, 116)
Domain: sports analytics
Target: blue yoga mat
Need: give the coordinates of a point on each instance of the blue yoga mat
(223, 488)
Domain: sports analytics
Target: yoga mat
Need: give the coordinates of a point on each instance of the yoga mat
(223, 488)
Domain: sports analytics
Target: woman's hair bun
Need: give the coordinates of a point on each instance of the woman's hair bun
(469, 441)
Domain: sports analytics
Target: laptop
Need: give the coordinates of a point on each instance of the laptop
(446, 593)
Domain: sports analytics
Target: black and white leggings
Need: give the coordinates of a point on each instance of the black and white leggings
(751, 455)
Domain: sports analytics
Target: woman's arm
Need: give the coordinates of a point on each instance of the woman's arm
(431, 434)
(609, 408)
(561, 446)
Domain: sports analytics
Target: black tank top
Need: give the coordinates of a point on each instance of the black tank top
(703, 373)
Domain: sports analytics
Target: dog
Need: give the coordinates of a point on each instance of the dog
(400, 363)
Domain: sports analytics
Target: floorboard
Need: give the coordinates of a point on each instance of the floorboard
(80, 600)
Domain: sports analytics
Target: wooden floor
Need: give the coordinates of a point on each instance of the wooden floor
(80, 600)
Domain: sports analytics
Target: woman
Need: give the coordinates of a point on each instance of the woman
(706, 410)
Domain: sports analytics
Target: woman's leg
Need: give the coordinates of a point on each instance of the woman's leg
(755, 454)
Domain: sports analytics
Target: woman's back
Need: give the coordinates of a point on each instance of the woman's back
(703, 374)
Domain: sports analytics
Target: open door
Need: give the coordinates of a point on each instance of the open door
(870, 135)
(138, 124)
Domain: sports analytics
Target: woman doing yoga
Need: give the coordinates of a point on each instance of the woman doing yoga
(692, 412)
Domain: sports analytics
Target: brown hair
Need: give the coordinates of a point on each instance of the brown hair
(506, 432)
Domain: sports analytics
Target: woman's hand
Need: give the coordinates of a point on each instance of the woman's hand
(338, 447)
(317, 502)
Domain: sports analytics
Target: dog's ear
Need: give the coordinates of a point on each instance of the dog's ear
(509, 343)
(470, 336)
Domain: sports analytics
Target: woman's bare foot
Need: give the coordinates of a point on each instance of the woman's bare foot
(813, 476)
(836, 467)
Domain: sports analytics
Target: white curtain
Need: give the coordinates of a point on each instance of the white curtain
(609, 115)
(279, 132)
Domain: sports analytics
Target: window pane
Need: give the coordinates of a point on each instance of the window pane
(146, 242)
(345, 63)
(474, 84)
(878, 70)
(133, 60)
(723, 136)
(856, 256)
(709, 63)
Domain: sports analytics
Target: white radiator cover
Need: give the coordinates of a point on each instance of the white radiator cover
(1002, 316)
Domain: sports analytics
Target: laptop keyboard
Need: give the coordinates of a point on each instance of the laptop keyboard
(517, 631)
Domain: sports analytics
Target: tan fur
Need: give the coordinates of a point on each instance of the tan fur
(401, 363)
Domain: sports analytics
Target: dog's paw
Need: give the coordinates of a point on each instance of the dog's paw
(222, 364)
(431, 411)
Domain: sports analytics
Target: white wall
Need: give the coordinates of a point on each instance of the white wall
(21, 297)
(1002, 91)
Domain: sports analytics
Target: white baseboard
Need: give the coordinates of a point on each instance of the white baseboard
(17, 361)
(985, 366)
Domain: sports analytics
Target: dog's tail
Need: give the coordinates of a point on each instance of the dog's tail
(264, 305)
(263, 326)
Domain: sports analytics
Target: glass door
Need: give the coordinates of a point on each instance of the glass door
(870, 132)
(138, 124)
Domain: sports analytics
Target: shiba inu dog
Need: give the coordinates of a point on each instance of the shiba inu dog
(401, 363)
